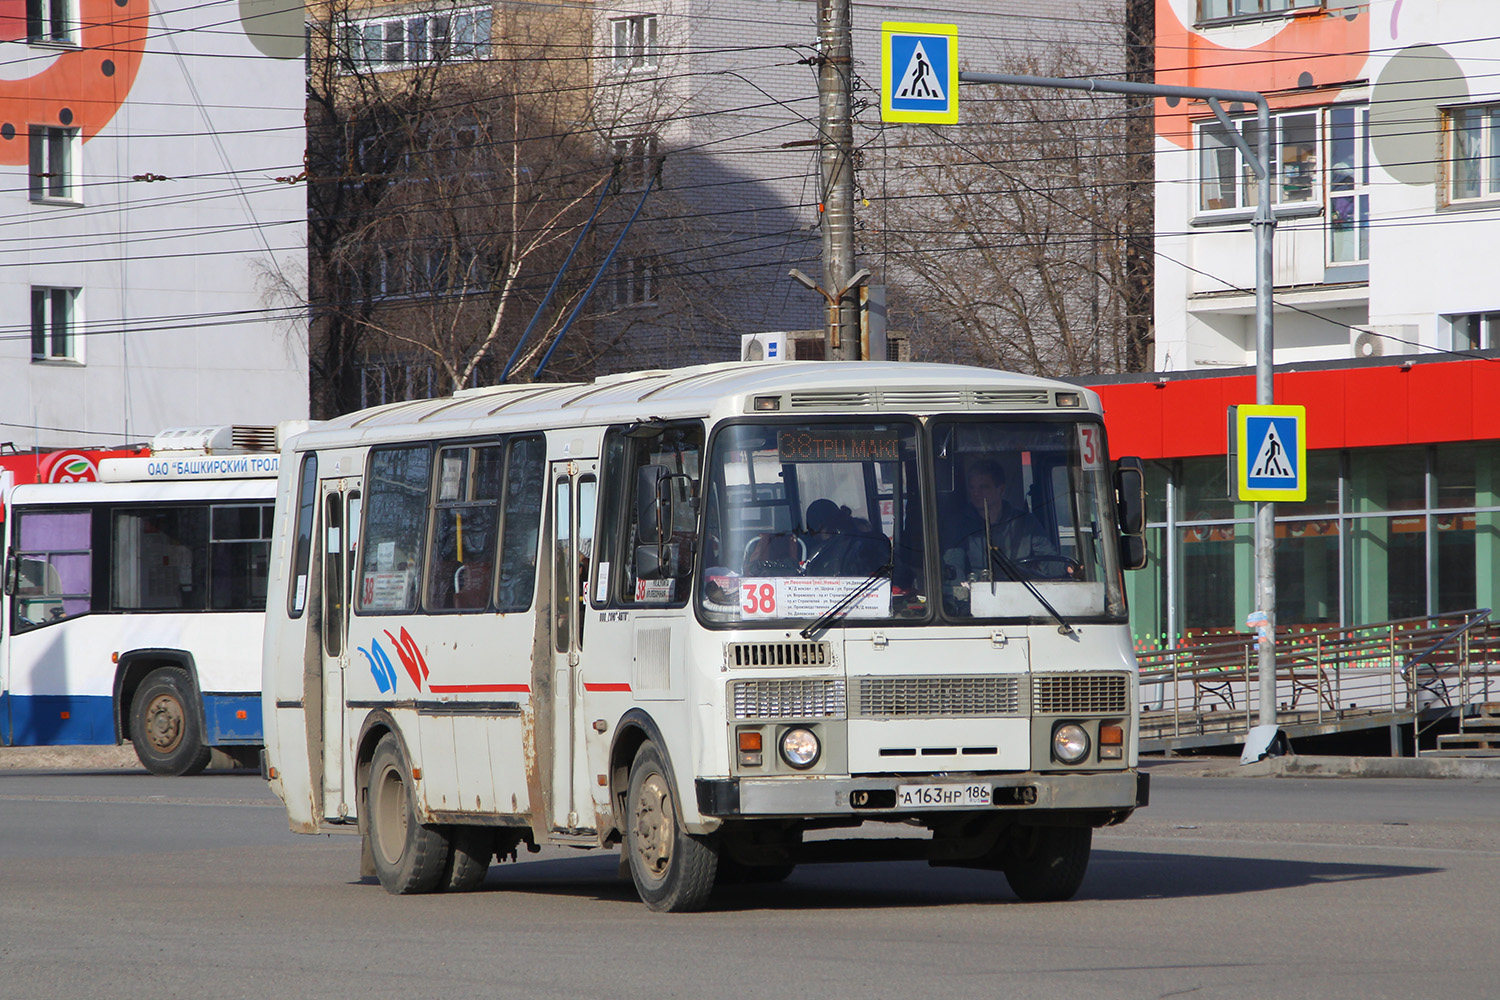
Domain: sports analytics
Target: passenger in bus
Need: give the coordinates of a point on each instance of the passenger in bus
(840, 544)
(1014, 532)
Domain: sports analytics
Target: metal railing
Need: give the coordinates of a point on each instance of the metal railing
(1412, 670)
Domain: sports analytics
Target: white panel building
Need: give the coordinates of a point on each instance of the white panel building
(1386, 126)
(153, 261)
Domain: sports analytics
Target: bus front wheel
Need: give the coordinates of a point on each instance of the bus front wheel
(166, 731)
(1048, 862)
(673, 871)
(408, 857)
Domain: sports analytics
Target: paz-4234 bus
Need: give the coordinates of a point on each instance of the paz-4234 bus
(716, 617)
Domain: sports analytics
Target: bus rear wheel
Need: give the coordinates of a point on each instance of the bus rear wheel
(409, 857)
(1047, 863)
(166, 731)
(673, 870)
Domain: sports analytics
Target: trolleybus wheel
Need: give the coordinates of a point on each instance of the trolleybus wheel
(469, 851)
(673, 871)
(166, 731)
(1048, 863)
(409, 857)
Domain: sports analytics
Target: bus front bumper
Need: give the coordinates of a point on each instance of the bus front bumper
(1108, 792)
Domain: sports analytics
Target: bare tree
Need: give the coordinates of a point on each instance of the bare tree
(1012, 235)
(457, 157)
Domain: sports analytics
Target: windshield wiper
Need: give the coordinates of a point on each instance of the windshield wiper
(840, 610)
(1014, 572)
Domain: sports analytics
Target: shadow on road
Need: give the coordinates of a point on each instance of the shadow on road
(1113, 875)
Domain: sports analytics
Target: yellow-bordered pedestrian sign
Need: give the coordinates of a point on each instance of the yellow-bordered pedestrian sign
(919, 73)
(1271, 445)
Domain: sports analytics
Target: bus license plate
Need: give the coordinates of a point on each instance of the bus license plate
(908, 796)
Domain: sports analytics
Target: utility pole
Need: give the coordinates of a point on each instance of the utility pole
(836, 194)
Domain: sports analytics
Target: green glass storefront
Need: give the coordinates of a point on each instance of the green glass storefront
(1385, 533)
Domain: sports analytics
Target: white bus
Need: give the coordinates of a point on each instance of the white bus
(709, 615)
(133, 608)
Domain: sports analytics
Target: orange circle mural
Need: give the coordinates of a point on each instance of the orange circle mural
(83, 87)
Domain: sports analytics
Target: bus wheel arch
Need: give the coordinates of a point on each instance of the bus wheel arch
(159, 709)
(634, 729)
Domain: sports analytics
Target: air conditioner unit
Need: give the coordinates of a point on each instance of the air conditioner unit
(1369, 345)
(763, 346)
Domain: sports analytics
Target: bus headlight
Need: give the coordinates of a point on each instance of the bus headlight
(1070, 742)
(800, 748)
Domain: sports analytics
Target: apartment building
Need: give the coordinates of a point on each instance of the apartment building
(153, 262)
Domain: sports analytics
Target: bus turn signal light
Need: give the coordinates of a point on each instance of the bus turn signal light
(1111, 742)
(750, 748)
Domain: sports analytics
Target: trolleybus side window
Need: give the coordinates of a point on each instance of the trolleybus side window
(307, 498)
(678, 449)
(395, 528)
(239, 556)
(53, 567)
(190, 557)
(523, 521)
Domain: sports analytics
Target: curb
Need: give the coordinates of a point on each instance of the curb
(1295, 766)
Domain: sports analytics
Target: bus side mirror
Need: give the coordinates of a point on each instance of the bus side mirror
(653, 505)
(1130, 506)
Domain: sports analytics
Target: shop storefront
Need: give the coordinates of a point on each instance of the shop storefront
(1402, 517)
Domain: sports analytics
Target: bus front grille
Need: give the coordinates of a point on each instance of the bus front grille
(937, 697)
(789, 699)
(1079, 694)
(778, 654)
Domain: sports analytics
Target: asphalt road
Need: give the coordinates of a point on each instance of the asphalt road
(127, 885)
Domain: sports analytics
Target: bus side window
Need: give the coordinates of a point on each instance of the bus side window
(54, 567)
(463, 543)
(523, 520)
(307, 497)
(679, 449)
(395, 528)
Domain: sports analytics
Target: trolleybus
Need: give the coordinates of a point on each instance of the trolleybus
(133, 607)
(717, 616)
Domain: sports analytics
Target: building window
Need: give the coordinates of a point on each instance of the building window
(417, 40)
(1226, 178)
(1348, 184)
(53, 337)
(54, 158)
(633, 43)
(51, 21)
(1473, 152)
(1475, 331)
(1216, 10)
(635, 283)
(1302, 142)
(636, 157)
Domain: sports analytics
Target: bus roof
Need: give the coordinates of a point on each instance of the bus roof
(807, 387)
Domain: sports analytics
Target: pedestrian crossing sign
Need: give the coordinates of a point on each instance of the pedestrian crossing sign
(919, 73)
(1271, 445)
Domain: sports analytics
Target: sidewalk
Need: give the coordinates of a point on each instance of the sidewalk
(1295, 766)
(105, 758)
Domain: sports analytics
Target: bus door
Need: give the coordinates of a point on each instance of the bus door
(340, 501)
(575, 490)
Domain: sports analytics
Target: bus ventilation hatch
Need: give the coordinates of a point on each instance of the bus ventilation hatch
(778, 654)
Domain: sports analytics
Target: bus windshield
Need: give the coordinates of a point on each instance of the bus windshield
(801, 519)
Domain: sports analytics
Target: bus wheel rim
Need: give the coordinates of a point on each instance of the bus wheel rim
(164, 723)
(390, 815)
(655, 827)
